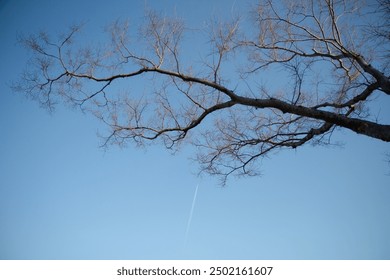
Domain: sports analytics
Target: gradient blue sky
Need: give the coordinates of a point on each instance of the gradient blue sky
(63, 197)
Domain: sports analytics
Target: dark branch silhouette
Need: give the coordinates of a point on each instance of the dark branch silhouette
(321, 67)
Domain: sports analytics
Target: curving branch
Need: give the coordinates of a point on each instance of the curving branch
(326, 82)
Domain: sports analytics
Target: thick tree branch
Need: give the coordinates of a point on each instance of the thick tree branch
(314, 54)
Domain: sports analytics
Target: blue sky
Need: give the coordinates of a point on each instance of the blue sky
(63, 197)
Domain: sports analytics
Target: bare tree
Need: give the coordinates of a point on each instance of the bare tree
(289, 76)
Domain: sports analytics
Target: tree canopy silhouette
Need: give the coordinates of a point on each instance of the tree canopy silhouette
(287, 74)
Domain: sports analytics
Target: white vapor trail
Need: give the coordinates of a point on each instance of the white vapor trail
(191, 213)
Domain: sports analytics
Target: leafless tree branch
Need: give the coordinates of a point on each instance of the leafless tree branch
(318, 49)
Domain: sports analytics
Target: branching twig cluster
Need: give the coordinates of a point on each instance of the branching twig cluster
(315, 46)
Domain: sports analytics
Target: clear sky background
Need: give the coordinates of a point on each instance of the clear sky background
(63, 197)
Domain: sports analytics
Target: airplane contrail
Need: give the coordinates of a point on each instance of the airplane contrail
(191, 213)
